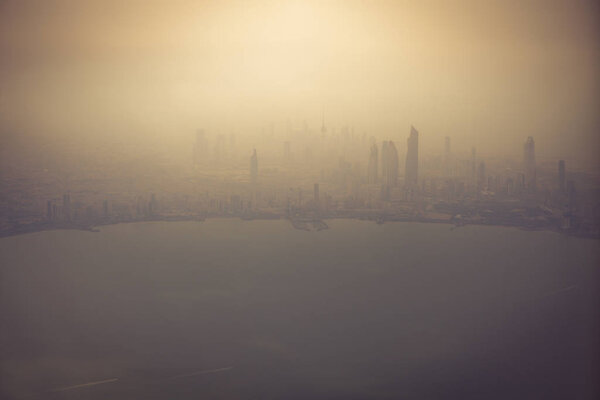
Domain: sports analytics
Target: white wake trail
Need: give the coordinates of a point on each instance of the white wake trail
(85, 385)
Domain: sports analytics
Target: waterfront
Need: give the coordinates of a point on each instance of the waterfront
(227, 308)
(310, 222)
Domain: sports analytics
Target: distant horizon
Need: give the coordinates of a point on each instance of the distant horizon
(300, 199)
(488, 74)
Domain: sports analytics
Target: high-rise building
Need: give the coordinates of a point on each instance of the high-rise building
(152, 205)
(473, 166)
(392, 165)
(67, 207)
(389, 164)
(49, 215)
(412, 159)
(510, 186)
(562, 176)
(373, 165)
(254, 168)
(529, 164)
(447, 157)
(384, 156)
(481, 176)
(316, 195)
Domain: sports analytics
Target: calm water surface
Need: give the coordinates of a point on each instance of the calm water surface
(230, 309)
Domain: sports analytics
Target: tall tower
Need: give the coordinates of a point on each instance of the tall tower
(384, 157)
(447, 162)
(529, 164)
(392, 165)
(254, 169)
(49, 215)
(389, 167)
(67, 207)
(481, 176)
(473, 165)
(153, 205)
(412, 159)
(562, 176)
(373, 164)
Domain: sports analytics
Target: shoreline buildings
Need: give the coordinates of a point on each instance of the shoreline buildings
(254, 169)
(529, 165)
(412, 160)
(372, 170)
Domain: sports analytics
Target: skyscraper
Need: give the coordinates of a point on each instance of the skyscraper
(384, 156)
(67, 207)
(389, 164)
(254, 168)
(481, 176)
(373, 165)
(562, 176)
(473, 166)
(412, 159)
(392, 165)
(49, 215)
(529, 164)
(447, 161)
(153, 205)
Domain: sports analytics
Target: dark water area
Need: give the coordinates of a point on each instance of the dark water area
(230, 309)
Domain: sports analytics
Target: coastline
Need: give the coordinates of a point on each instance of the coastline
(315, 223)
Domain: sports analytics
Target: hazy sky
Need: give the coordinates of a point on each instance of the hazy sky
(486, 73)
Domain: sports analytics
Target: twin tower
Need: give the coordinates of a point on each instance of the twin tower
(389, 162)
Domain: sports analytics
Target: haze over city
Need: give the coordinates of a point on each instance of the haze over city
(489, 74)
(299, 199)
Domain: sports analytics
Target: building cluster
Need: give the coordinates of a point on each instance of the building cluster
(338, 173)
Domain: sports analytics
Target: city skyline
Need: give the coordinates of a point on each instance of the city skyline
(341, 168)
(299, 199)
